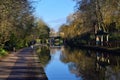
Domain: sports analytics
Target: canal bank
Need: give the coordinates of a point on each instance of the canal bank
(100, 48)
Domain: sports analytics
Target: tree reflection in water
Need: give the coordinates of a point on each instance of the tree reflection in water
(92, 65)
(44, 54)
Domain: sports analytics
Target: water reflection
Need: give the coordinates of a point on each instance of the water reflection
(92, 65)
(62, 63)
(44, 54)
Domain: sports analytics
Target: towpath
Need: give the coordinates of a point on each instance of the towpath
(22, 65)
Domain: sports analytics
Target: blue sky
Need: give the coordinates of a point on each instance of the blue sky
(54, 12)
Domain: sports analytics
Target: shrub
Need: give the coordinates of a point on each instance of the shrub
(3, 52)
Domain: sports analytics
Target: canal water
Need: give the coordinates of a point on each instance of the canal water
(62, 63)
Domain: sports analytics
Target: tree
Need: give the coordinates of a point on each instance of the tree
(41, 30)
(103, 12)
(15, 18)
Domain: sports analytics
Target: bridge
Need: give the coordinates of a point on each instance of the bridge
(55, 38)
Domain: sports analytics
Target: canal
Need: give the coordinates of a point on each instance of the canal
(61, 63)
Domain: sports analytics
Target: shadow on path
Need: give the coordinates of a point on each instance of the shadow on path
(22, 65)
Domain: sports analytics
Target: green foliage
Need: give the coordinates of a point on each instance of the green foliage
(18, 25)
(3, 52)
(14, 16)
(15, 42)
(20, 44)
(41, 30)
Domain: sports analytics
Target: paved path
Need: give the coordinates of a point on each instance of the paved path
(22, 65)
